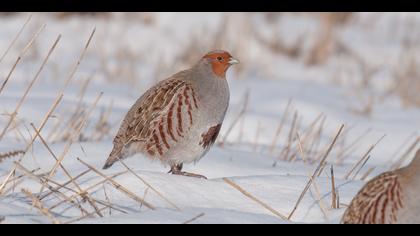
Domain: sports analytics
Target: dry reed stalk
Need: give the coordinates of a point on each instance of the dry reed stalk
(241, 113)
(247, 194)
(22, 99)
(316, 140)
(361, 167)
(51, 188)
(87, 189)
(321, 163)
(70, 142)
(317, 192)
(257, 135)
(21, 54)
(150, 186)
(15, 38)
(84, 217)
(38, 204)
(286, 150)
(310, 129)
(300, 147)
(81, 191)
(370, 170)
(320, 202)
(280, 127)
(65, 184)
(363, 157)
(18, 180)
(86, 197)
(334, 202)
(404, 156)
(340, 155)
(194, 218)
(119, 187)
(397, 150)
(53, 130)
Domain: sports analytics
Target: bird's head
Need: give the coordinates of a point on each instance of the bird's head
(220, 61)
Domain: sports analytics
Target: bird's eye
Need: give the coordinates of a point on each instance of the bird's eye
(219, 58)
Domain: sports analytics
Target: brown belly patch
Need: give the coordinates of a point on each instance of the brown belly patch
(209, 137)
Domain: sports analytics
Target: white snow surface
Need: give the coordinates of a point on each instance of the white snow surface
(152, 51)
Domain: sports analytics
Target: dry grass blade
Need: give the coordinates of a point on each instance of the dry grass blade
(4, 156)
(237, 187)
(321, 163)
(280, 127)
(361, 167)
(150, 186)
(66, 183)
(363, 157)
(365, 175)
(194, 218)
(22, 53)
(55, 103)
(16, 37)
(38, 204)
(84, 217)
(75, 134)
(22, 99)
(119, 186)
(405, 155)
(87, 189)
(241, 113)
(82, 193)
(44, 182)
(334, 199)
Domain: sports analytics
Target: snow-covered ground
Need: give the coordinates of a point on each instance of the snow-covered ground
(129, 53)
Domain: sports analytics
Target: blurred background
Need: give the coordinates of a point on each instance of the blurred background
(355, 68)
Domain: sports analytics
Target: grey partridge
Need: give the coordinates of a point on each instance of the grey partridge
(392, 197)
(178, 120)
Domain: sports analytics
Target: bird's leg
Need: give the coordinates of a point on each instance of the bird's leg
(176, 170)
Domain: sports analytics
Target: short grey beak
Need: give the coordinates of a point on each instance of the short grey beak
(233, 61)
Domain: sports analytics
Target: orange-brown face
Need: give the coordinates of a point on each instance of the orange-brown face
(220, 62)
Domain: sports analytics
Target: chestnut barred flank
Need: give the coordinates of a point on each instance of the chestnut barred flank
(210, 136)
(377, 203)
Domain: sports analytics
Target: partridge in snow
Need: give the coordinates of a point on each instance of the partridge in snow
(390, 198)
(178, 120)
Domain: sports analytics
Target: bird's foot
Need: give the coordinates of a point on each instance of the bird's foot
(176, 170)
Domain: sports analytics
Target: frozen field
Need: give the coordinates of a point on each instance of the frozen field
(301, 77)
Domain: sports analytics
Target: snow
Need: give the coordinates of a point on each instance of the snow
(128, 54)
